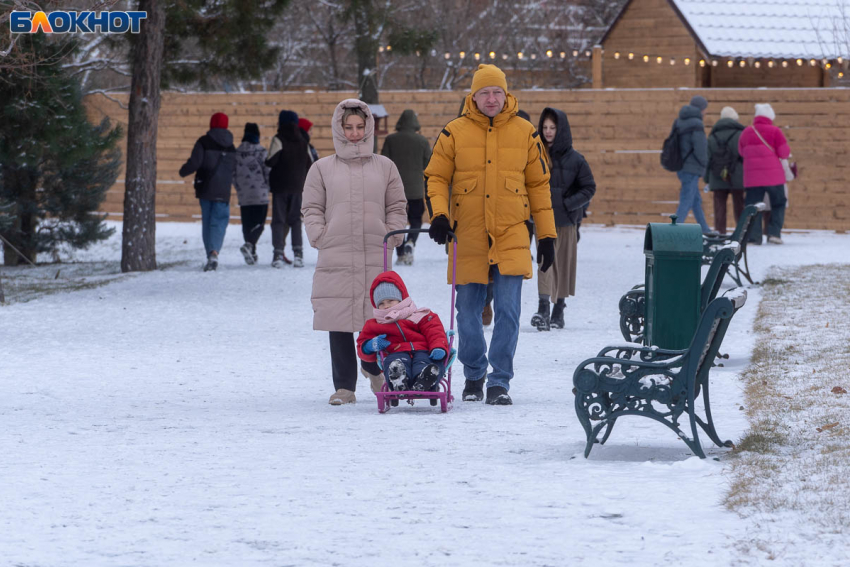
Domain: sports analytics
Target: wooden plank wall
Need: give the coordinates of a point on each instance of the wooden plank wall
(619, 131)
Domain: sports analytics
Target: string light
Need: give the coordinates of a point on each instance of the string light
(785, 64)
(840, 60)
(616, 55)
(575, 52)
(687, 60)
(799, 62)
(672, 61)
(462, 54)
(563, 55)
(477, 56)
(492, 55)
(389, 48)
(631, 56)
(549, 53)
(646, 58)
(742, 63)
(715, 62)
(812, 63)
(829, 65)
(730, 63)
(770, 63)
(840, 75)
(587, 53)
(702, 62)
(505, 56)
(381, 49)
(519, 55)
(757, 64)
(658, 60)
(826, 62)
(534, 56)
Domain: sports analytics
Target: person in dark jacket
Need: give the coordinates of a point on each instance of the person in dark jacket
(251, 179)
(305, 126)
(212, 161)
(572, 186)
(289, 160)
(693, 147)
(410, 152)
(725, 171)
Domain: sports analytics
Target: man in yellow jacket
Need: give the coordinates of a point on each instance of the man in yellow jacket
(495, 164)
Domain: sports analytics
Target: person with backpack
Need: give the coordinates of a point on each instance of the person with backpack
(685, 152)
(763, 147)
(410, 151)
(251, 179)
(289, 160)
(212, 161)
(725, 171)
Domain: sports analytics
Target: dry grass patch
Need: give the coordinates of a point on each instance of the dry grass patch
(796, 453)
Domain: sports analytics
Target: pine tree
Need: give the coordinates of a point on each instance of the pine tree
(55, 165)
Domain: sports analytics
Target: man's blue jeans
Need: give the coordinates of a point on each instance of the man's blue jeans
(472, 348)
(689, 199)
(215, 215)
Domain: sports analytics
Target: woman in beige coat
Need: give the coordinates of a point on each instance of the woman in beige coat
(351, 200)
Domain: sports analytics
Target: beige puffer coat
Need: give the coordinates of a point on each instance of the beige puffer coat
(351, 200)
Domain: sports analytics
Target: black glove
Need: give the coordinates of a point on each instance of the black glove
(545, 253)
(440, 229)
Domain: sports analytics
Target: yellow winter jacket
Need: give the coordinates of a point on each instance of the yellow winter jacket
(499, 178)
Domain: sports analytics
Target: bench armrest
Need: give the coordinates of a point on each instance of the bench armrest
(628, 351)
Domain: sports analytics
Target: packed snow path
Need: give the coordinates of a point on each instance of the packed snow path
(181, 417)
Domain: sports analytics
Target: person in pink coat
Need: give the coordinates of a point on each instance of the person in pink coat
(762, 145)
(351, 200)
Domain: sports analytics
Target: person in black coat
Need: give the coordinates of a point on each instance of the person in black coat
(213, 161)
(289, 160)
(572, 186)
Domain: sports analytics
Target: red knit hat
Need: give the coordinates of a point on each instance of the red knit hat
(218, 120)
(305, 124)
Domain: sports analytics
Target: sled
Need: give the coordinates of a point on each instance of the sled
(443, 394)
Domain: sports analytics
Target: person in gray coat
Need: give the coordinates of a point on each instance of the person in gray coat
(251, 179)
(694, 151)
(410, 152)
(725, 171)
(212, 161)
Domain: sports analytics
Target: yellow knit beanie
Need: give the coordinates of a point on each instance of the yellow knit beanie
(488, 76)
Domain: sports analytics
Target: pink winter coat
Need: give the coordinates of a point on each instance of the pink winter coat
(762, 167)
(351, 200)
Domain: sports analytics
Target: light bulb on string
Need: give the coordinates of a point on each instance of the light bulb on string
(687, 60)
(462, 54)
(829, 65)
(757, 64)
(533, 56)
(575, 52)
(563, 55)
(504, 56)
(477, 56)
(381, 49)
(616, 55)
(702, 62)
(840, 60)
(549, 53)
(715, 62)
(672, 61)
(659, 60)
(799, 62)
(447, 55)
(519, 55)
(492, 55)
(631, 56)
(785, 64)
(587, 53)
(742, 63)
(771, 63)
(730, 63)
(812, 63)
(646, 58)
(389, 48)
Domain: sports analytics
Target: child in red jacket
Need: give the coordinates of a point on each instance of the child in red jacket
(412, 338)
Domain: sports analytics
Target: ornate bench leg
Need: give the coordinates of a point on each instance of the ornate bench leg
(608, 430)
(708, 425)
(584, 419)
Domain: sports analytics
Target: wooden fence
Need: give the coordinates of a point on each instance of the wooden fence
(619, 131)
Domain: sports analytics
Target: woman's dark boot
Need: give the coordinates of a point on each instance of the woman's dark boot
(541, 318)
(557, 319)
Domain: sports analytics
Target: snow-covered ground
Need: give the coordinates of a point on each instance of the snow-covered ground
(180, 417)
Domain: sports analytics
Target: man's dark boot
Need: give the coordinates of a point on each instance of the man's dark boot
(473, 390)
(498, 396)
(557, 319)
(541, 318)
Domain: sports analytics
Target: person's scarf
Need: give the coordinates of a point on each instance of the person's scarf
(405, 309)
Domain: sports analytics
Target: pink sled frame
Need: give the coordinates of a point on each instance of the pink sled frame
(444, 393)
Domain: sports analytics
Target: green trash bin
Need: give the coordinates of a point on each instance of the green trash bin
(673, 260)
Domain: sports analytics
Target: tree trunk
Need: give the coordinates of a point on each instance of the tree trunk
(367, 54)
(138, 248)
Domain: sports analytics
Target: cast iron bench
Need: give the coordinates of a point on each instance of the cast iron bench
(713, 244)
(655, 383)
(633, 306)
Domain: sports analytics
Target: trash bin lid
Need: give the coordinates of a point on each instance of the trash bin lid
(673, 239)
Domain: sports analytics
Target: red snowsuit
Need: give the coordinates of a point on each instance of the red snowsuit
(404, 335)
